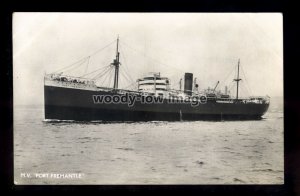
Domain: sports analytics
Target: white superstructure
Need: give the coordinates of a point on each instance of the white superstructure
(154, 84)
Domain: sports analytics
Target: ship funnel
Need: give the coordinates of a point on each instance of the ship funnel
(188, 83)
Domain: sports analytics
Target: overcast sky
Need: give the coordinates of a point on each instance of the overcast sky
(208, 45)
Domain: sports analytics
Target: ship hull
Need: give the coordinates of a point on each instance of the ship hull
(77, 104)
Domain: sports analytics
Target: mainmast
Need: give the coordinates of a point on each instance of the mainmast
(116, 63)
(237, 81)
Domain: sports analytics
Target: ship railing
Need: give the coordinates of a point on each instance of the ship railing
(184, 92)
(124, 91)
(121, 91)
(71, 79)
(250, 100)
(260, 97)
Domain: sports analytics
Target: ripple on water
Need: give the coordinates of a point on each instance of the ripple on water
(126, 149)
(231, 152)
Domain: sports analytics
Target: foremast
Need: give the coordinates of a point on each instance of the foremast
(116, 63)
(237, 80)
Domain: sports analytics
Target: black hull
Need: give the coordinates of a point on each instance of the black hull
(75, 104)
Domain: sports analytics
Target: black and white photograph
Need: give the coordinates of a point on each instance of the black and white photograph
(148, 98)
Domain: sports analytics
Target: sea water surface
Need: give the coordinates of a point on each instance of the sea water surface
(198, 152)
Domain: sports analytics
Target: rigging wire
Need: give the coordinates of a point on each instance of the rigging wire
(106, 76)
(231, 86)
(69, 66)
(85, 58)
(125, 77)
(103, 48)
(226, 78)
(100, 80)
(245, 87)
(69, 71)
(103, 73)
(128, 76)
(111, 78)
(125, 64)
(94, 71)
(247, 82)
(87, 65)
(245, 91)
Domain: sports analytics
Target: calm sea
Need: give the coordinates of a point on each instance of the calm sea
(200, 152)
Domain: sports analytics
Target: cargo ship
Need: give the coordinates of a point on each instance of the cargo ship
(81, 99)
